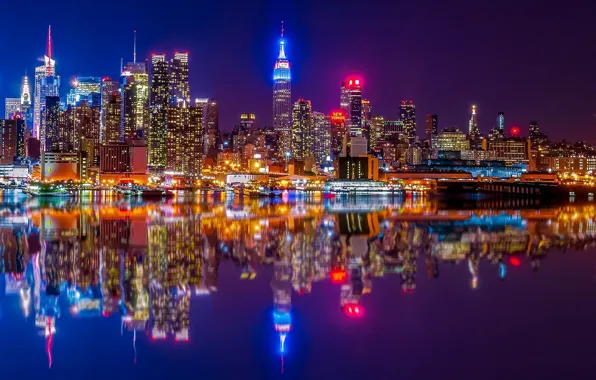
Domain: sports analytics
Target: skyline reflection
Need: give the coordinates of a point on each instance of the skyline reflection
(147, 263)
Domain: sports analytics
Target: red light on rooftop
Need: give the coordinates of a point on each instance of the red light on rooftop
(351, 82)
(353, 310)
(515, 261)
(357, 82)
(338, 276)
(514, 131)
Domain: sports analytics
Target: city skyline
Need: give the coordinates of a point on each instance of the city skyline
(515, 78)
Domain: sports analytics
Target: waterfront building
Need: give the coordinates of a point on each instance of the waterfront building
(179, 85)
(12, 140)
(358, 168)
(282, 95)
(162, 89)
(355, 111)
(184, 152)
(302, 130)
(513, 150)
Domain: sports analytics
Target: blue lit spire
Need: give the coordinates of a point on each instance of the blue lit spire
(281, 71)
(282, 53)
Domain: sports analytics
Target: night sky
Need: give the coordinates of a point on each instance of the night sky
(531, 61)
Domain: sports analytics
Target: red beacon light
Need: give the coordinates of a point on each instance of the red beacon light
(353, 310)
(515, 261)
(514, 131)
(357, 82)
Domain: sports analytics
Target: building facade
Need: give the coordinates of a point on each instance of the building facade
(135, 100)
(407, 115)
(282, 96)
(302, 130)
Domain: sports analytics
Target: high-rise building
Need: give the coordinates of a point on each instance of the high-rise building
(184, 151)
(431, 127)
(110, 92)
(354, 115)
(51, 133)
(534, 130)
(12, 140)
(12, 106)
(212, 115)
(338, 132)
(87, 89)
(135, 100)
(47, 83)
(366, 122)
(407, 115)
(344, 99)
(451, 139)
(302, 130)
(83, 125)
(376, 130)
(474, 133)
(394, 130)
(26, 109)
(179, 85)
(501, 122)
(282, 96)
(111, 113)
(248, 122)
(321, 137)
(161, 90)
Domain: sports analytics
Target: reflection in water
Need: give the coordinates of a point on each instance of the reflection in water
(146, 262)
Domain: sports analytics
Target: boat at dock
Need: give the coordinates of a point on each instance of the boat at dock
(54, 191)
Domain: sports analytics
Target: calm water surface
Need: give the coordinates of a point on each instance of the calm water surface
(296, 288)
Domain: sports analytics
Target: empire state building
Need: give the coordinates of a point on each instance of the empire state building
(282, 94)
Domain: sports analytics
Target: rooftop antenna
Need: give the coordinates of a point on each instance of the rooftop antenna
(134, 54)
(282, 28)
(121, 65)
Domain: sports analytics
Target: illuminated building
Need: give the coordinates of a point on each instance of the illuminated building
(344, 100)
(12, 140)
(83, 125)
(59, 166)
(158, 104)
(184, 140)
(431, 127)
(26, 99)
(302, 130)
(11, 107)
(474, 133)
(135, 100)
(376, 130)
(514, 150)
(321, 137)
(179, 86)
(248, 122)
(354, 114)
(211, 128)
(111, 113)
(451, 139)
(393, 130)
(85, 88)
(52, 128)
(355, 168)
(282, 97)
(338, 132)
(407, 115)
(46, 84)
(501, 122)
(366, 122)
(358, 146)
(108, 130)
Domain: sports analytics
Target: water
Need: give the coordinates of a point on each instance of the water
(296, 288)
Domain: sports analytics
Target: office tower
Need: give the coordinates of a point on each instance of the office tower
(431, 127)
(212, 115)
(501, 122)
(534, 130)
(338, 132)
(12, 140)
(248, 122)
(111, 113)
(282, 95)
(135, 100)
(183, 140)
(394, 130)
(366, 121)
(302, 129)
(109, 89)
(407, 115)
(83, 125)
(47, 83)
(158, 105)
(51, 143)
(321, 137)
(344, 98)
(474, 132)
(87, 89)
(354, 110)
(12, 106)
(376, 130)
(203, 104)
(179, 86)
(26, 109)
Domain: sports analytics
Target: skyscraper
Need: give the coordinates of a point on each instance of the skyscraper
(248, 122)
(12, 140)
(344, 98)
(179, 86)
(12, 106)
(109, 90)
(302, 130)
(83, 125)
(354, 114)
(183, 140)
(282, 96)
(321, 137)
(158, 104)
(431, 127)
(473, 131)
(376, 130)
(47, 83)
(501, 122)
(51, 142)
(26, 109)
(366, 122)
(338, 132)
(135, 100)
(407, 115)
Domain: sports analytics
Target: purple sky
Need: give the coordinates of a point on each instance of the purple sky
(530, 60)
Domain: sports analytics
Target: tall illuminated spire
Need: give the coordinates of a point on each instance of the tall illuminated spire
(282, 53)
(49, 43)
